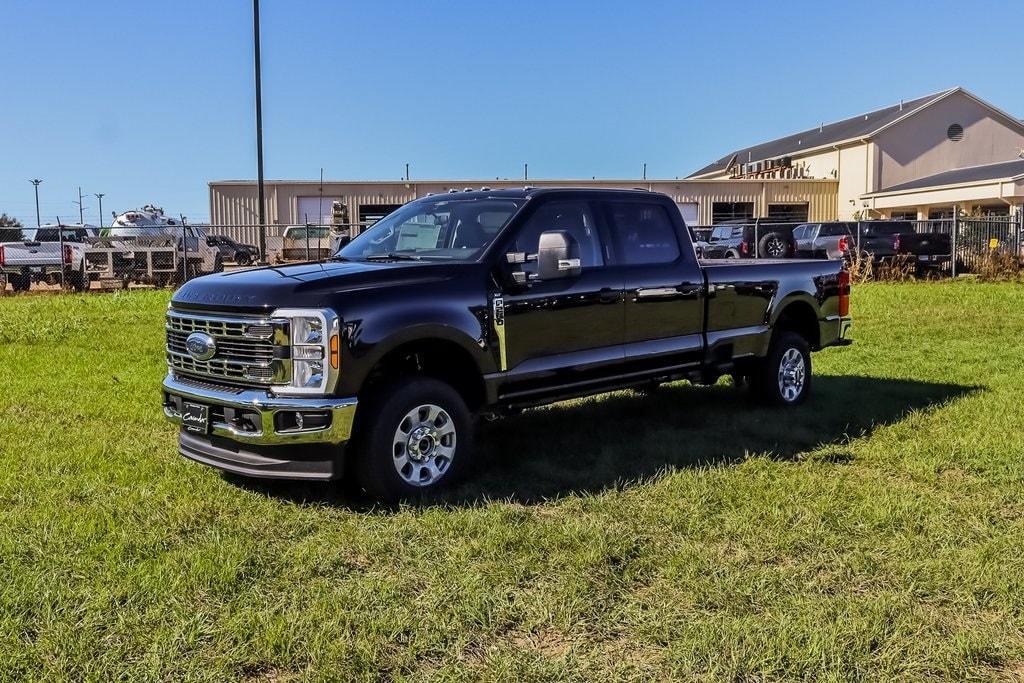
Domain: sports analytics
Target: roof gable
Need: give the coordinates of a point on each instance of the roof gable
(969, 174)
(860, 126)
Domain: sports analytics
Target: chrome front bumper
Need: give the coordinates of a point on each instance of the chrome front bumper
(264, 407)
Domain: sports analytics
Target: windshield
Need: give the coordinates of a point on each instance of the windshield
(449, 228)
(50, 234)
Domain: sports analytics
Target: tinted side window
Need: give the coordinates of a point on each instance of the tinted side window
(576, 218)
(642, 233)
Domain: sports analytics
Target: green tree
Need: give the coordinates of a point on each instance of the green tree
(9, 222)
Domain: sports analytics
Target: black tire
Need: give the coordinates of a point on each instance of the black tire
(731, 254)
(218, 264)
(377, 453)
(773, 245)
(772, 382)
(78, 280)
(243, 258)
(21, 283)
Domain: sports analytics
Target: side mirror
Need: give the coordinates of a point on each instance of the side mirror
(557, 256)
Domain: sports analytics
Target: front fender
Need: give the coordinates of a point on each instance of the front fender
(367, 341)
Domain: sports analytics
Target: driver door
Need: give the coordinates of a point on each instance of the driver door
(567, 330)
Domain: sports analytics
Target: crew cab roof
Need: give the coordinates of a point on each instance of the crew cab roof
(527, 192)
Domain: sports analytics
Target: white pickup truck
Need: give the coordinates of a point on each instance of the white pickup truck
(45, 254)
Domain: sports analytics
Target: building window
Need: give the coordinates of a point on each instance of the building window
(371, 213)
(903, 215)
(787, 213)
(940, 214)
(955, 132)
(730, 211)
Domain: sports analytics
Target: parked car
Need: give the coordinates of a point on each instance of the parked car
(747, 239)
(305, 243)
(880, 240)
(45, 254)
(230, 250)
(482, 303)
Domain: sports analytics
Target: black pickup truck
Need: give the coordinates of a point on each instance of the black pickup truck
(467, 304)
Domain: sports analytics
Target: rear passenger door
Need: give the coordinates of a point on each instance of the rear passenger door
(663, 283)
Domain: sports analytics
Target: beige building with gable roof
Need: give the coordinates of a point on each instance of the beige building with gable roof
(894, 161)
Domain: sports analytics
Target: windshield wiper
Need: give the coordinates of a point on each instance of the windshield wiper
(393, 256)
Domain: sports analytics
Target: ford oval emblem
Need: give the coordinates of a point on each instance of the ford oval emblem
(201, 346)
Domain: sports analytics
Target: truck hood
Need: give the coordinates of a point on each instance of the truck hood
(304, 284)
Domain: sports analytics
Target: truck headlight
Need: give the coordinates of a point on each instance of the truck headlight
(313, 350)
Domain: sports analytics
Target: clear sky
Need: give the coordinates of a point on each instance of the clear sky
(148, 101)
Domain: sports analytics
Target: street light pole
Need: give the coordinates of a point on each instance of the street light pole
(259, 127)
(99, 198)
(36, 181)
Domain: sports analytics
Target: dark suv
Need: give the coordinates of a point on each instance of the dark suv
(747, 239)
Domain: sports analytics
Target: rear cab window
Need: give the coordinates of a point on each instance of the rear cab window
(641, 233)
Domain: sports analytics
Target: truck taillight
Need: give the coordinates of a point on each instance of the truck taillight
(844, 244)
(744, 248)
(844, 293)
(3, 257)
(67, 255)
(896, 243)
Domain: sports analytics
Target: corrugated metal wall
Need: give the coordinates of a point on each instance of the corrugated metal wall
(234, 203)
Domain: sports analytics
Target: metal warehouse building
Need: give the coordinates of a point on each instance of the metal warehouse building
(921, 158)
(702, 202)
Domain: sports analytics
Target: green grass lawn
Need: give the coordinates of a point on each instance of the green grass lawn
(875, 533)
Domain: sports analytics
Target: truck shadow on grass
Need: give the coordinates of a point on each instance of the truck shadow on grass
(615, 440)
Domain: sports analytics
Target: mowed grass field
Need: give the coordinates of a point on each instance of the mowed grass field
(875, 533)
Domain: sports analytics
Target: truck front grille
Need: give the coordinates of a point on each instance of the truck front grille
(250, 351)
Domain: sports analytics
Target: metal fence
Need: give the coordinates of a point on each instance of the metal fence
(972, 240)
(158, 256)
(169, 255)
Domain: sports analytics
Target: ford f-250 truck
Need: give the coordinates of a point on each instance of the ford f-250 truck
(45, 254)
(375, 362)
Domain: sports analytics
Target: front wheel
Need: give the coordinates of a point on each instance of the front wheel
(417, 438)
(243, 258)
(783, 377)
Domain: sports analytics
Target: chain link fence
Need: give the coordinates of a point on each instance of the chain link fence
(79, 258)
(954, 246)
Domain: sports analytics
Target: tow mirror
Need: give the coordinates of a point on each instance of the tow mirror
(557, 256)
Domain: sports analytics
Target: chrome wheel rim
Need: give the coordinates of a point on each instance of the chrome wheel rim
(424, 445)
(775, 247)
(792, 375)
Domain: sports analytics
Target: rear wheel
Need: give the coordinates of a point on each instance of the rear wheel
(773, 245)
(243, 258)
(21, 282)
(783, 377)
(417, 438)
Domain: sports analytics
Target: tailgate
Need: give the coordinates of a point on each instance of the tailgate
(925, 244)
(21, 254)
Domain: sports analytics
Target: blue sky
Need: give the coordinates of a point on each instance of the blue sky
(148, 101)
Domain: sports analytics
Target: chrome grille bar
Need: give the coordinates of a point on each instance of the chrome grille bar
(250, 350)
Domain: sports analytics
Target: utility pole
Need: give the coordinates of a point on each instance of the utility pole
(99, 198)
(81, 208)
(406, 172)
(526, 171)
(645, 170)
(36, 181)
(259, 127)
